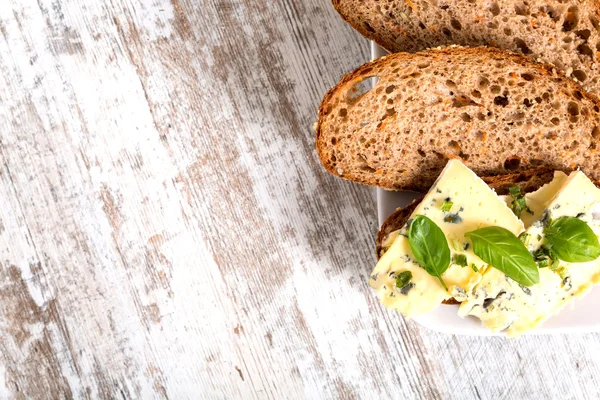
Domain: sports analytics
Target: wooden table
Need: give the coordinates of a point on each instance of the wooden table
(167, 230)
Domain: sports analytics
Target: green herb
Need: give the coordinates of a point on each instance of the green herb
(515, 191)
(572, 240)
(403, 279)
(456, 245)
(545, 257)
(474, 268)
(446, 206)
(504, 251)
(429, 246)
(460, 259)
(518, 204)
(524, 238)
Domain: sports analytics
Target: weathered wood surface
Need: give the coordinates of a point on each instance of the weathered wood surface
(166, 229)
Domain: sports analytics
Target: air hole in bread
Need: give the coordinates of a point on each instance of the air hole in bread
(464, 156)
(551, 135)
(596, 108)
(511, 82)
(423, 65)
(573, 119)
(584, 34)
(390, 89)
(390, 101)
(555, 121)
(552, 13)
(512, 163)
(447, 32)
(527, 77)
(476, 94)
(556, 105)
(421, 25)
(343, 112)
(368, 27)
(567, 39)
(421, 152)
(596, 132)
(333, 141)
(579, 75)
(492, 25)
(501, 101)
(546, 96)
(360, 88)
(521, 9)
(450, 84)
(578, 95)
(572, 19)
(455, 24)
(480, 116)
(585, 50)
(527, 103)
(333, 159)
(495, 89)
(520, 43)
(462, 101)
(494, 9)
(453, 144)
(465, 117)
(507, 32)
(483, 82)
(501, 81)
(573, 108)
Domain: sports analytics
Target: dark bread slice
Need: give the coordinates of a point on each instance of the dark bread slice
(497, 111)
(563, 33)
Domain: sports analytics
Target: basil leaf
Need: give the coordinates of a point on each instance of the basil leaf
(572, 240)
(504, 251)
(403, 279)
(429, 246)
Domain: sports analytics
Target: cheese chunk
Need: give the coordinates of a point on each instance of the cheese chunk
(504, 305)
(474, 205)
(538, 201)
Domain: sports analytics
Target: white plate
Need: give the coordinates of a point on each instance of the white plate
(581, 316)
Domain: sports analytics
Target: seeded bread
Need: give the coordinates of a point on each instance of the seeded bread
(499, 112)
(565, 33)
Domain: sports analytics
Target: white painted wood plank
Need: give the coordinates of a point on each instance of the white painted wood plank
(167, 229)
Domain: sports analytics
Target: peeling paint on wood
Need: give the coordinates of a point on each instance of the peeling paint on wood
(167, 231)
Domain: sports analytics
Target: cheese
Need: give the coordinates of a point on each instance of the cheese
(504, 305)
(474, 205)
(538, 201)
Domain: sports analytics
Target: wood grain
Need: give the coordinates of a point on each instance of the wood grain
(167, 231)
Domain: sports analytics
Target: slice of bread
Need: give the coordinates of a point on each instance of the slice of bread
(563, 33)
(497, 111)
